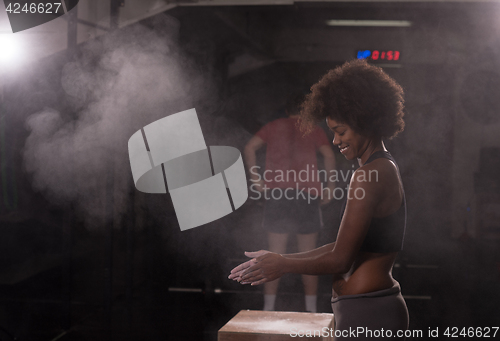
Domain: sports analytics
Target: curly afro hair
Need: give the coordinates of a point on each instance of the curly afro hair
(360, 95)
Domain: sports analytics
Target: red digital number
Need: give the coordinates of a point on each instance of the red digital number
(384, 55)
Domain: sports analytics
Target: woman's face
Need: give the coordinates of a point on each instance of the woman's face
(351, 144)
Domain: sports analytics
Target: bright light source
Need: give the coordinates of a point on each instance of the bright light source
(10, 50)
(370, 23)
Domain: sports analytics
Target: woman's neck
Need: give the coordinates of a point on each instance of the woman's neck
(373, 146)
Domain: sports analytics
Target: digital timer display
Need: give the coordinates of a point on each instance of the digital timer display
(378, 55)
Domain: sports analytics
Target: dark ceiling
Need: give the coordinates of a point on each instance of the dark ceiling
(298, 32)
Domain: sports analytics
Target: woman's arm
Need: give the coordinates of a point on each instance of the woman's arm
(238, 271)
(249, 154)
(362, 200)
(319, 264)
(272, 266)
(312, 253)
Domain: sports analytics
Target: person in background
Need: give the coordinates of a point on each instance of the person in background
(292, 189)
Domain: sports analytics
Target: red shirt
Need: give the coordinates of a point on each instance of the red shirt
(290, 157)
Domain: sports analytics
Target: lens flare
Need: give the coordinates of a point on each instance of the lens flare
(9, 49)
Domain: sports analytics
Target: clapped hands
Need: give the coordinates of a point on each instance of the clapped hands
(265, 266)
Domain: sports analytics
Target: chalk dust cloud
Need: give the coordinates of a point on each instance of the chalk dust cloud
(116, 85)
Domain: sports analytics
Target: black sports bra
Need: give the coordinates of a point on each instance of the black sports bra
(385, 234)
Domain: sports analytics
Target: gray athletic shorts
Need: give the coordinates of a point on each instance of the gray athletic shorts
(300, 215)
(371, 316)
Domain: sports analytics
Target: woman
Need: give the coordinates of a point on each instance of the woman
(362, 106)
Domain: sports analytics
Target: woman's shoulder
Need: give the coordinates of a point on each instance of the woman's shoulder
(381, 171)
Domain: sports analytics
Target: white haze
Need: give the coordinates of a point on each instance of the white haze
(119, 83)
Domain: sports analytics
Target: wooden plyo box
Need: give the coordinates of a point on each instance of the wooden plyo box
(256, 325)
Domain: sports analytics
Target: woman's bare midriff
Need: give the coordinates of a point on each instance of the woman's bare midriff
(369, 272)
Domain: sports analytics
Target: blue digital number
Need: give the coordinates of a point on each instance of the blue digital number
(364, 54)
